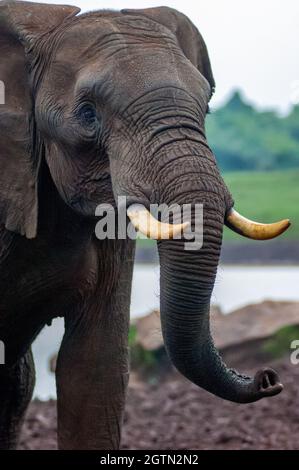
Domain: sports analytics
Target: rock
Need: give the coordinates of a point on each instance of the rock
(250, 323)
(258, 321)
(148, 331)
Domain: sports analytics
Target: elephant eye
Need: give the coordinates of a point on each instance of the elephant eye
(87, 115)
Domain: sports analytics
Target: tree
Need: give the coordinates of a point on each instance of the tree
(246, 139)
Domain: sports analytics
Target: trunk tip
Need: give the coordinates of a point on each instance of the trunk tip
(267, 383)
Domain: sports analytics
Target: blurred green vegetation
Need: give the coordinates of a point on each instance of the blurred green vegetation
(279, 345)
(246, 139)
(140, 358)
(151, 365)
(266, 197)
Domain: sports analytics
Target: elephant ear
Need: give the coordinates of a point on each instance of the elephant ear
(20, 24)
(188, 37)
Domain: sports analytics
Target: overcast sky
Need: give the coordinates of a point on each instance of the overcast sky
(253, 44)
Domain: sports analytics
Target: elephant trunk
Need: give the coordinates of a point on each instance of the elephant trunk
(186, 174)
(187, 280)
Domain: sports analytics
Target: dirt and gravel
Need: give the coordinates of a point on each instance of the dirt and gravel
(175, 414)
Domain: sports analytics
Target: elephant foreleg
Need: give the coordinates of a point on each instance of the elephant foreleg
(16, 388)
(92, 376)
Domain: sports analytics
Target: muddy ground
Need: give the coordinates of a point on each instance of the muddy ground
(177, 415)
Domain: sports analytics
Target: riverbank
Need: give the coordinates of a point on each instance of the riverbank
(251, 253)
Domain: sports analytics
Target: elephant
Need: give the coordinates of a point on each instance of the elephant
(97, 106)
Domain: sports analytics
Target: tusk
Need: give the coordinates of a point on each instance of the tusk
(145, 223)
(254, 230)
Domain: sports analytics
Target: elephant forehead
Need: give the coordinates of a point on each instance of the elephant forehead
(139, 49)
(122, 56)
(87, 37)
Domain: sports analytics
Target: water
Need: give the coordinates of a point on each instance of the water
(235, 287)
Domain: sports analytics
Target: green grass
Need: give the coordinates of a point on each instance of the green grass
(280, 343)
(265, 197)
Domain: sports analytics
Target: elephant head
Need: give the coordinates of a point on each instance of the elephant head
(114, 104)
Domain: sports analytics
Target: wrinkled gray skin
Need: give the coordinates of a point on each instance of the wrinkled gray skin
(98, 106)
